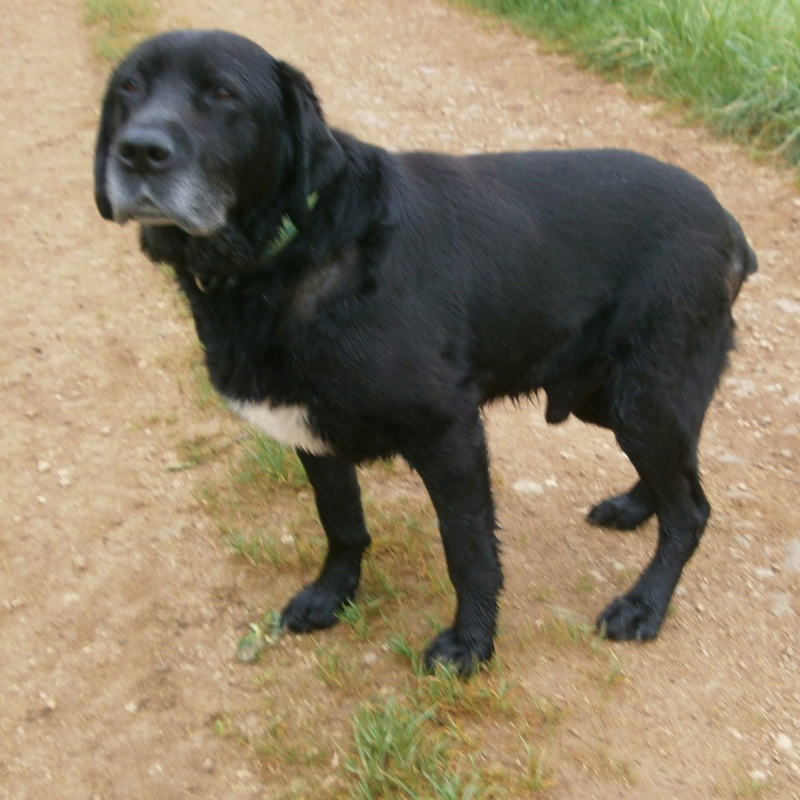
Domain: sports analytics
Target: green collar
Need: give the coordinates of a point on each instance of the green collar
(287, 231)
(281, 240)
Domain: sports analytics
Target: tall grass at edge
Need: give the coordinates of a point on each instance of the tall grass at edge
(733, 64)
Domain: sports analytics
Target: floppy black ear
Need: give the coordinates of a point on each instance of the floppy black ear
(318, 158)
(101, 159)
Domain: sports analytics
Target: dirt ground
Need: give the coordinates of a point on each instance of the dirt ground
(120, 603)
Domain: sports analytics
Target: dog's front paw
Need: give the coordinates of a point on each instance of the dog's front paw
(629, 617)
(315, 607)
(450, 649)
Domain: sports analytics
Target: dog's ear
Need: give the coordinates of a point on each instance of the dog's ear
(101, 159)
(318, 157)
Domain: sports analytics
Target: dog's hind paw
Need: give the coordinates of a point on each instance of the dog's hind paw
(312, 609)
(629, 618)
(450, 650)
(624, 512)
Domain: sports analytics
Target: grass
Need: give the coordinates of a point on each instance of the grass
(118, 25)
(751, 787)
(270, 463)
(732, 64)
(401, 752)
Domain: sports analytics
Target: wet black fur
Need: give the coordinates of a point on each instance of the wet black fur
(420, 287)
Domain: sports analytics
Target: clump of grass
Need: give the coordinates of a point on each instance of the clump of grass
(564, 627)
(535, 775)
(733, 64)
(291, 744)
(119, 25)
(199, 450)
(267, 462)
(357, 615)
(259, 634)
(400, 752)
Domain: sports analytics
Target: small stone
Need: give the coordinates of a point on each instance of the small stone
(132, 707)
(528, 487)
(49, 702)
(42, 465)
(792, 562)
(787, 305)
(370, 659)
(784, 743)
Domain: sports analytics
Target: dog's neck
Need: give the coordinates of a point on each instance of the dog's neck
(256, 244)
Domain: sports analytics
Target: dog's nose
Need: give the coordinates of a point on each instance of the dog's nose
(146, 150)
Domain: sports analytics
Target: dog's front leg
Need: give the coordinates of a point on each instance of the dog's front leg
(338, 499)
(454, 467)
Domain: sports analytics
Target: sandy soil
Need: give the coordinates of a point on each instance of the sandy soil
(120, 603)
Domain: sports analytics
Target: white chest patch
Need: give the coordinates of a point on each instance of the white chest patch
(286, 424)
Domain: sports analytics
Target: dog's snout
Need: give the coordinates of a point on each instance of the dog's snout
(146, 150)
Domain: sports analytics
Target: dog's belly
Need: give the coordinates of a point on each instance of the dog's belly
(288, 425)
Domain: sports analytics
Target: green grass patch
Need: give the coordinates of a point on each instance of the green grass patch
(119, 25)
(267, 462)
(401, 752)
(732, 64)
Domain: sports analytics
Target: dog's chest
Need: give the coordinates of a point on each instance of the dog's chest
(288, 424)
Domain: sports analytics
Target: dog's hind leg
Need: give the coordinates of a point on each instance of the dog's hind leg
(454, 468)
(658, 427)
(338, 499)
(625, 511)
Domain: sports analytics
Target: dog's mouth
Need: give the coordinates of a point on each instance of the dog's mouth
(183, 200)
(146, 212)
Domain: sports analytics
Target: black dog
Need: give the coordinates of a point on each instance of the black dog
(357, 304)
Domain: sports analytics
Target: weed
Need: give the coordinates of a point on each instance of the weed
(399, 752)
(562, 627)
(535, 773)
(548, 713)
(200, 450)
(585, 584)
(255, 549)
(291, 744)
(330, 666)
(753, 784)
(356, 615)
(400, 646)
(266, 631)
(268, 462)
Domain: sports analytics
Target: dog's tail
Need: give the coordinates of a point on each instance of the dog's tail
(743, 260)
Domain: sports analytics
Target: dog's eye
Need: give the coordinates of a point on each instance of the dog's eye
(130, 86)
(223, 94)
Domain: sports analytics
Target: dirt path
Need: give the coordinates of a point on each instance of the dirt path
(120, 605)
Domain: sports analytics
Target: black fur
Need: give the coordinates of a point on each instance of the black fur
(414, 288)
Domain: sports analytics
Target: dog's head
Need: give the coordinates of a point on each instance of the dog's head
(199, 128)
